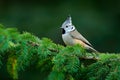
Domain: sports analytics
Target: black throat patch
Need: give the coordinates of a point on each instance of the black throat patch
(63, 31)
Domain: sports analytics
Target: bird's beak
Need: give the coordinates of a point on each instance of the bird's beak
(61, 28)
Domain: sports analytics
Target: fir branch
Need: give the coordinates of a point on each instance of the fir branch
(22, 51)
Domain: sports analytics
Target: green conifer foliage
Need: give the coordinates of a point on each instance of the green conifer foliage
(18, 52)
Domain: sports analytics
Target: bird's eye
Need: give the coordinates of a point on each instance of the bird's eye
(72, 28)
(66, 26)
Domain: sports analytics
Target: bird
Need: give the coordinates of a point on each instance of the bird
(71, 36)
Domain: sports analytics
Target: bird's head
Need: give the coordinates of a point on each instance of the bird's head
(67, 25)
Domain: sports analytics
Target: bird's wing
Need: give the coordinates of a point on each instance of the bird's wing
(75, 34)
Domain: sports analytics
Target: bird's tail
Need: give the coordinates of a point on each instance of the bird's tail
(92, 49)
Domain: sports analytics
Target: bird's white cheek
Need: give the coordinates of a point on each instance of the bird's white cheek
(68, 29)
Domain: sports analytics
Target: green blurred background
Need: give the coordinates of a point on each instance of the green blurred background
(97, 20)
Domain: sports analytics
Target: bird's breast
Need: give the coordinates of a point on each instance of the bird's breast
(68, 40)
